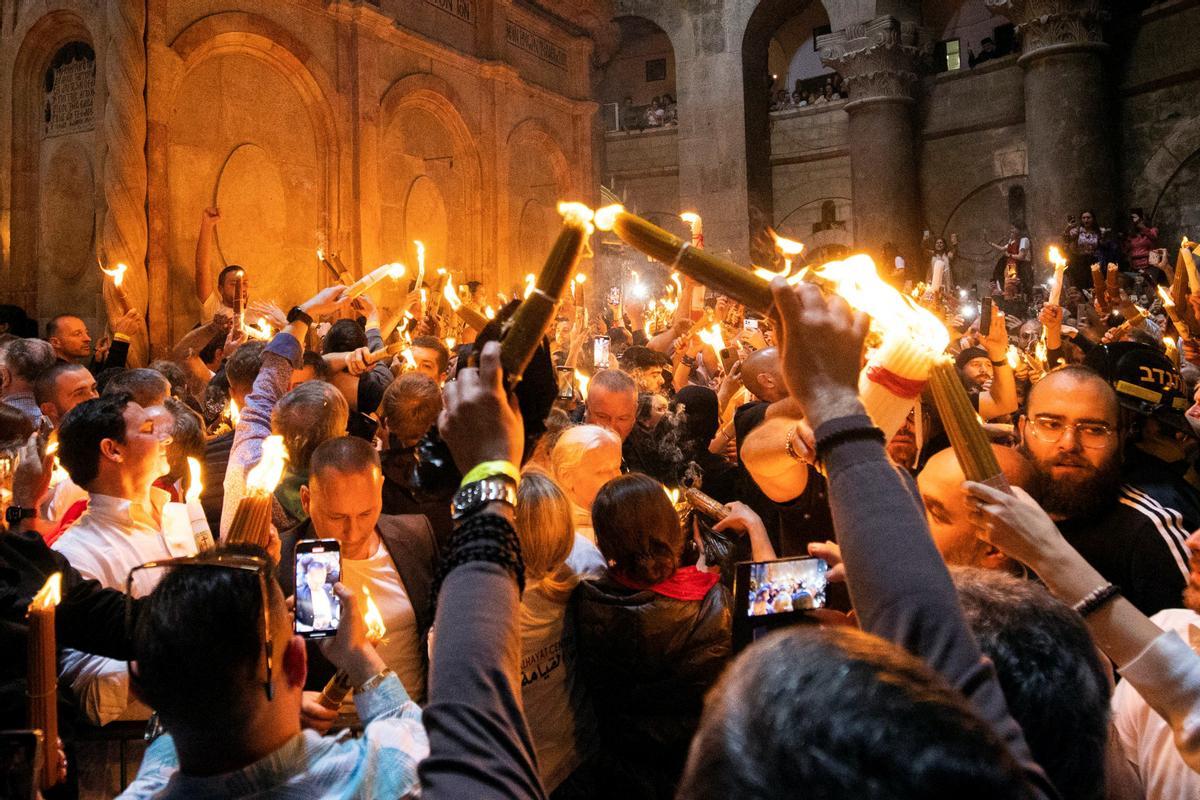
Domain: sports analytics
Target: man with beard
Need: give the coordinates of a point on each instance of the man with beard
(1072, 432)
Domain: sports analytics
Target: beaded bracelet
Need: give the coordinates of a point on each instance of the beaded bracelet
(1094, 599)
(481, 537)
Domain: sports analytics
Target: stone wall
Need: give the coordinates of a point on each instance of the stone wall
(310, 124)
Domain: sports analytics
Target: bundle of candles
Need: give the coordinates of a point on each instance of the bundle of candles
(468, 315)
(43, 676)
(338, 687)
(395, 271)
(705, 504)
(252, 519)
(1060, 267)
(118, 278)
(196, 516)
(336, 268)
(967, 437)
(1168, 304)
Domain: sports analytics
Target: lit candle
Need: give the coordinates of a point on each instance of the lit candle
(338, 275)
(394, 271)
(43, 675)
(343, 274)
(1172, 351)
(338, 687)
(1060, 266)
(582, 381)
(1173, 312)
(1189, 261)
(117, 274)
(696, 226)
(252, 519)
(196, 516)
(789, 249)
(725, 276)
(464, 312)
(1098, 289)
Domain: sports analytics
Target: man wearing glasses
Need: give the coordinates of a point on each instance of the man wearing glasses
(1073, 434)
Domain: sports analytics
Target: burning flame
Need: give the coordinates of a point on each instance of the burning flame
(582, 380)
(1165, 296)
(395, 271)
(450, 342)
(260, 330)
(232, 413)
(265, 475)
(1040, 351)
(489, 312)
(713, 338)
(530, 279)
(375, 627)
(856, 280)
(409, 361)
(49, 595)
(690, 217)
(1014, 358)
(606, 217)
(1056, 258)
(580, 278)
(579, 213)
(117, 274)
(320, 254)
(672, 495)
(789, 247)
(195, 487)
(420, 256)
(452, 297)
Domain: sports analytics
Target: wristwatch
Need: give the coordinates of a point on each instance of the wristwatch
(474, 496)
(298, 313)
(15, 514)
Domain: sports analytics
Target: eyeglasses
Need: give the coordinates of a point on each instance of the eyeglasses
(1092, 435)
(255, 564)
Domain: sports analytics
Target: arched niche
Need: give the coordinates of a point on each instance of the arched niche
(269, 156)
(986, 208)
(429, 178)
(537, 177)
(53, 185)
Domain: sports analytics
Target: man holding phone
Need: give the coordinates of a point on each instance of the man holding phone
(394, 557)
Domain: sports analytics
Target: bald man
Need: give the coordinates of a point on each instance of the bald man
(940, 484)
(761, 375)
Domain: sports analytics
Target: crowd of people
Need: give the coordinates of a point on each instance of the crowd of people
(662, 111)
(557, 615)
(812, 92)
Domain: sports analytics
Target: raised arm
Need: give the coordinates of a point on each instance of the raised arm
(898, 582)
(1001, 397)
(204, 249)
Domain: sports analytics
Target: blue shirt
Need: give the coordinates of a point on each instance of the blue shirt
(380, 763)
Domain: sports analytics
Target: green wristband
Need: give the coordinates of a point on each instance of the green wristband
(489, 468)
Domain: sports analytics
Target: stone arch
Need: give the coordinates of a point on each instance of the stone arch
(72, 156)
(1167, 161)
(457, 174)
(535, 175)
(271, 84)
(977, 259)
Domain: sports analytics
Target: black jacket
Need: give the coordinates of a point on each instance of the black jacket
(409, 541)
(648, 661)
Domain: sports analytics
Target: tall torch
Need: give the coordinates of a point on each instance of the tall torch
(725, 276)
(339, 685)
(43, 675)
(523, 332)
(252, 520)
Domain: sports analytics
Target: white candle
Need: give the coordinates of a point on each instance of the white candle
(368, 281)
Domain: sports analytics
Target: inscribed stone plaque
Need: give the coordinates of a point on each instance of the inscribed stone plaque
(539, 46)
(70, 104)
(463, 9)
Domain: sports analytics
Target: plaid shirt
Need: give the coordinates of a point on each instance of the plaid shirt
(380, 763)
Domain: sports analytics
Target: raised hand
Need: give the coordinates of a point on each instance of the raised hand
(479, 421)
(326, 301)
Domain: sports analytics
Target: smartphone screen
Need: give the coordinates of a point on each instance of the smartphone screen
(614, 296)
(600, 352)
(566, 383)
(318, 568)
(985, 316)
(786, 585)
(750, 324)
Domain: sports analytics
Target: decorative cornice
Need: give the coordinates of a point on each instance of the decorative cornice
(1045, 24)
(879, 60)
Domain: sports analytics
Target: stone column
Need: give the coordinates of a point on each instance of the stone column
(124, 236)
(1067, 114)
(879, 62)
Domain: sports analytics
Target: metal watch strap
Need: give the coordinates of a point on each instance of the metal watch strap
(474, 496)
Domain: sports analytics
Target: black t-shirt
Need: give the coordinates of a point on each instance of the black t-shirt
(1137, 544)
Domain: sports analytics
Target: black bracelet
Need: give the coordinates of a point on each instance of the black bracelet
(1094, 599)
(688, 361)
(846, 434)
(481, 537)
(1001, 363)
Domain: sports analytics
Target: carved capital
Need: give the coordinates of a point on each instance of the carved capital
(1053, 23)
(880, 59)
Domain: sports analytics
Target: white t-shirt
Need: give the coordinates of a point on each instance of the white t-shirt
(1145, 737)
(560, 720)
(401, 647)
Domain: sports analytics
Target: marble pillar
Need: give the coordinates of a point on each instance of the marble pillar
(1068, 115)
(879, 63)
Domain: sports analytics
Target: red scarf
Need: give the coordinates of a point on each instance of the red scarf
(687, 583)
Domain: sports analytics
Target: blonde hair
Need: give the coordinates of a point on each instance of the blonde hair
(575, 443)
(546, 531)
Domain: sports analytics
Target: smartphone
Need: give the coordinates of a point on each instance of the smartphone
(318, 567)
(600, 352)
(985, 316)
(750, 324)
(566, 383)
(773, 594)
(614, 295)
